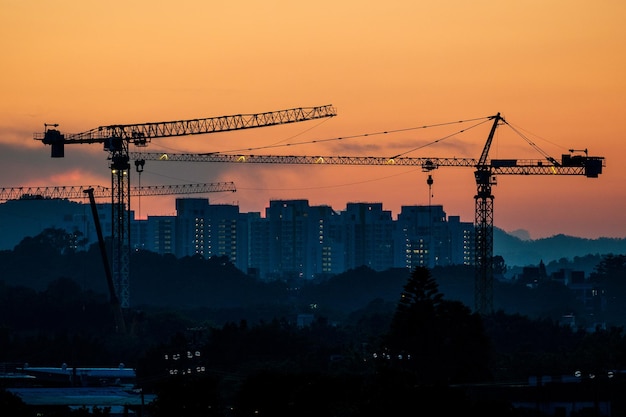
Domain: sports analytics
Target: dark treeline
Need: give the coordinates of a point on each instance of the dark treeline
(374, 343)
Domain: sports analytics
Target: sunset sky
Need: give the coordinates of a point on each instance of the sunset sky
(555, 69)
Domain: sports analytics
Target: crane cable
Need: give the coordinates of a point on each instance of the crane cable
(362, 135)
(302, 132)
(277, 144)
(532, 144)
(439, 140)
(280, 143)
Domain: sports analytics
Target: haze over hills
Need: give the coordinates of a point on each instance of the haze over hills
(523, 252)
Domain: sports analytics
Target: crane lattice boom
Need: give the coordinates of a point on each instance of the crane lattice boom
(589, 166)
(141, 132)
(78, 191)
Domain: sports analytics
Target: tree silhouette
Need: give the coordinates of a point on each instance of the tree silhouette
(53, 241)
(609, 276)
(11, 404)
(440, 341)
(499, 266)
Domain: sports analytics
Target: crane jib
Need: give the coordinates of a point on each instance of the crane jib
(116, 137)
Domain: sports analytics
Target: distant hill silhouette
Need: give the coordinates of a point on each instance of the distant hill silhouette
(519, 252)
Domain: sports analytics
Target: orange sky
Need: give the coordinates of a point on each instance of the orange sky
(555, 69)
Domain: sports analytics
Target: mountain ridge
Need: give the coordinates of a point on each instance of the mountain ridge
(524, 252)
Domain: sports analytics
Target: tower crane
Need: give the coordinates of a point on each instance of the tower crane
(116, 140)
(485, 173)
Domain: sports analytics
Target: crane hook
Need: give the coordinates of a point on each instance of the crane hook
(429, 181)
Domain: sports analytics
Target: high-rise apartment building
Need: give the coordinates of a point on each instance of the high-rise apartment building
(325, 245)
(191, 222)
(429, 239)
(289, 235)
(221, 227)
(208, 229)
(161, 233)
(258, 258)
(368, 236)
(462, 245)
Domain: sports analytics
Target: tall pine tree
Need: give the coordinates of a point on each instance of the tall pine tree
(438, 340)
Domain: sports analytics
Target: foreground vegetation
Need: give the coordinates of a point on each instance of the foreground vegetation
(359, 344)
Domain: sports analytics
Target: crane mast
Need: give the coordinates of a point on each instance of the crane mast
(485, 171)
(483, 228)
(116, 140)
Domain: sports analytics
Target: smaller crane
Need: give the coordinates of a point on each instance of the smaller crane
(116, 140)
(78, 191)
